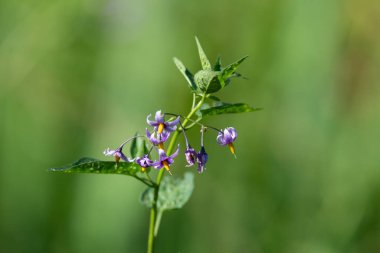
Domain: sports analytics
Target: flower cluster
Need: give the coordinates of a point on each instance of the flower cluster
(161, 133)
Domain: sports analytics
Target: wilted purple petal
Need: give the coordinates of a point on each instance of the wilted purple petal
(191, 156)
(202, 158)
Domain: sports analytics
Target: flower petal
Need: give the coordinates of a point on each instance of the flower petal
(124, 157)
(157, 164)
(152, 123)
(232, 132)
(220, 139)
(170, 128)
(175, 153)
(159, 117)
(109, 152)
(173, 123)
(162, 155)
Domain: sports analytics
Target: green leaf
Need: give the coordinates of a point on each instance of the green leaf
(230, 69)
(173, 194)
(208, 81)
(218, 64)
(144, 147)
(94, 166)
(134, 149)
(215, 98)
(206, 65)
(186, 73)
(138, 147)
(204, 106)
(228, 108)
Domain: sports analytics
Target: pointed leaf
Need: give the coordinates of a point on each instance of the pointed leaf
(230, 69)
(206, 65)
(94, 166)
(228, 108)
(218, 64)
(138, 147)
(134, 146)
(144, 147)
(186, 73)
(173, 194)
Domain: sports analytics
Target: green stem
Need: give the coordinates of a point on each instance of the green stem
(152, 222)
(158, 221)
(153, 210)
(177, 132)
(148, 183)
(194, 99)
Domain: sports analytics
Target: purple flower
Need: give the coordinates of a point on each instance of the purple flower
(227, 137)
(117, 153)
(160, 125)
(159, 140)
(164, 160)
(144, 162)
(202, 158)
(191, 156)
(190, 153)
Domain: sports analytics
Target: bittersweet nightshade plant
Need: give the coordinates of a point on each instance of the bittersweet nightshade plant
(148, 151)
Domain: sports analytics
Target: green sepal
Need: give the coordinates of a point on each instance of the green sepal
(173, 194)
(186, 73)
(94, 166)
(206, 65)
(228, 108)
(209, 81)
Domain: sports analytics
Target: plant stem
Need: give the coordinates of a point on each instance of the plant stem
(158, 221)
(153, 209)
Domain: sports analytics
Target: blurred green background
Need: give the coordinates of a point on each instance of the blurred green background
(79, 76)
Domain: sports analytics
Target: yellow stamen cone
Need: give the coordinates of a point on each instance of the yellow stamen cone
(232, 148)
(166, 166)
(160, 128)
(161, 145)
(117, 159)
(143, 169)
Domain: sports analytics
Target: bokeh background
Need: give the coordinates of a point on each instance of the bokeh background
(77, 76)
